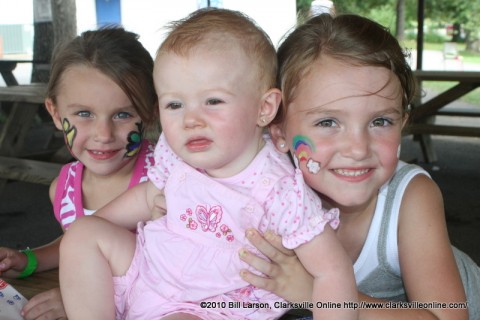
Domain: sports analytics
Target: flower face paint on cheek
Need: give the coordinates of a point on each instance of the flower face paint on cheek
(303, 147)
(69, 132)
(134, 141)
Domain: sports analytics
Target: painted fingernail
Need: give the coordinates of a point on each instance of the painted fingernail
(250, 233)
(243, 253)
(269, 235)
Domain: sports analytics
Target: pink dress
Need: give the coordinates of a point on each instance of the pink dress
(188, 261)
(68, 202)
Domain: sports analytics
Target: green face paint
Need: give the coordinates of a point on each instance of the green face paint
(134, 141)
(69, 132)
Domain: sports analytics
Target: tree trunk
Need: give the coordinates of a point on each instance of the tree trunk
(456, 32)
(54, 21)
(64, 14)
(400, 23)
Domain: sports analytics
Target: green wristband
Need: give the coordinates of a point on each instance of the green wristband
(32, 263)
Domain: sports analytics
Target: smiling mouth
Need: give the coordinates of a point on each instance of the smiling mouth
(102, 155)
(351, 173)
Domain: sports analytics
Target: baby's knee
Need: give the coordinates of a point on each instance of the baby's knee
(81, 230)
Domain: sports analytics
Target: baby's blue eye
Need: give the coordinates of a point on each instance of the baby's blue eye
(214, 101)
(174, 105)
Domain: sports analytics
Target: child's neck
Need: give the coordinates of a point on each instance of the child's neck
(354, 227)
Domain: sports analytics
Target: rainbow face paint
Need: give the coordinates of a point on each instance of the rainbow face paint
(303, 147)
(134, 141)
(70, 132)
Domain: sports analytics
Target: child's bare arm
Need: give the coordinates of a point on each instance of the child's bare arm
(334, 289)
(130, 207)
(159, 206)
(428, 266)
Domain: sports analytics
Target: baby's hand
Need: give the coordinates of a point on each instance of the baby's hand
(12, 262)
(283, 275)
(159, 206)
(47, 305)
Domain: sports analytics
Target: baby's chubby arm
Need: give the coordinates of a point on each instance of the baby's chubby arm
(334, 282)
(134, 205)
(159, 206)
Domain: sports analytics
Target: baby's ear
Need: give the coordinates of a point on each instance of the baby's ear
(278, 138)
(269, 106)
(53, 110)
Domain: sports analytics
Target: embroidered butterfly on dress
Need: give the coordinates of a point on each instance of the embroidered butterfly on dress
(209, 218)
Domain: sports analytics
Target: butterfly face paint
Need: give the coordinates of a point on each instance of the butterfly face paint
(134, 141)
(303, 147)
(70, 132)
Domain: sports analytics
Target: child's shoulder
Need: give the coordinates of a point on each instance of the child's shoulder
(277, 162)
(403, 176)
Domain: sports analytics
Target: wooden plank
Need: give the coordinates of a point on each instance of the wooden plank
(31, 93)
(15, 129)
(459, 112)
(28, 170)
(424, 128)
(6, 69)
(460, 76)
(26, 101)
(430, 107)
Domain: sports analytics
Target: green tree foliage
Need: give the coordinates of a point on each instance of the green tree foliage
(438, 14)
(462, 12)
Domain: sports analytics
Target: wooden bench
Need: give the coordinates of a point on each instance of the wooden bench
(421, 124)
(459, 112)
(26, 101)
(28, 170)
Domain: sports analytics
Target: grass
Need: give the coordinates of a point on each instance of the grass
(472, 97)
(468, 56)
(439, 86)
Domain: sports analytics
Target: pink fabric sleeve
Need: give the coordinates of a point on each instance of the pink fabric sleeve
(165, 160)
(295, 212)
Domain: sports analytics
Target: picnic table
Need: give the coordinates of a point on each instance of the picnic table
(6, 69)
(8, 65)
(423, 111)
(26, 101)
(36, 283)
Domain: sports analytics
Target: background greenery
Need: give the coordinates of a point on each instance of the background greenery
(445, 21)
